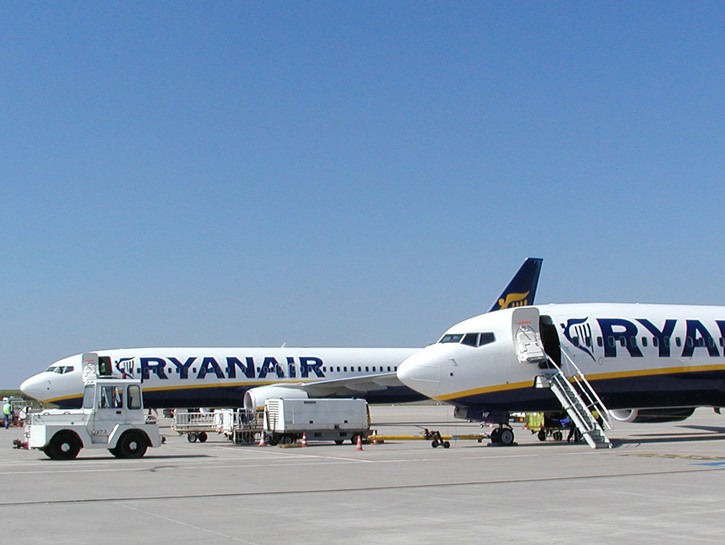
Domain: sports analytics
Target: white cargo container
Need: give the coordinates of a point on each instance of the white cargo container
(285, 420)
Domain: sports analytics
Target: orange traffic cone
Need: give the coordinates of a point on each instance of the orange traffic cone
(261, 440)
(304, 439)
(359, 443)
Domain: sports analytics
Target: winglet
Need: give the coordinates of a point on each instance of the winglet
(522, 288)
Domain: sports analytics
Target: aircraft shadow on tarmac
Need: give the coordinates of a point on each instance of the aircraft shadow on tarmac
(698, 433)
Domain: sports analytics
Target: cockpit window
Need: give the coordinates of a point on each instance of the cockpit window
(478, 339)
(60, 369)
(471, 339)
(451, 338)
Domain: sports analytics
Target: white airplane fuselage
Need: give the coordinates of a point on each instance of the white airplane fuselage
(217, 377)
(634, 355)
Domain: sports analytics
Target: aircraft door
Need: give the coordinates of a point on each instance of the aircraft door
(525, 333)
(550, 340)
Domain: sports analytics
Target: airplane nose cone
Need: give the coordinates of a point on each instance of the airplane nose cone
(36, 387)
(421, 373)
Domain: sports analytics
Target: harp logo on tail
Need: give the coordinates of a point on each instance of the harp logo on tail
(514, 300)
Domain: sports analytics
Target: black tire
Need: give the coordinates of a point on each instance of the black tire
(339, 441)
(132, 444)
(446, 444)
(202, 437)
(65, 445)
(558, 436)
(191, 437)
(434, 443)
(496, 436)
(541, 435)
(506, 437)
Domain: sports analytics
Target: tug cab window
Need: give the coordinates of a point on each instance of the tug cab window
(134, 396)
(88, 397)
(111, 397)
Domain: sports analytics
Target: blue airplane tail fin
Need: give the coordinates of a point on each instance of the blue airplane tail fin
(522, 288)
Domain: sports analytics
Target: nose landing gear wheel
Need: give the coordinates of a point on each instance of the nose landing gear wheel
(506, 437)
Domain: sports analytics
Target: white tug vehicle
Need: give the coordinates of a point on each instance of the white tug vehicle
(112, 417)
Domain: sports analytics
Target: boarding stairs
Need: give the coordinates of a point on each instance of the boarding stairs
(579, 400)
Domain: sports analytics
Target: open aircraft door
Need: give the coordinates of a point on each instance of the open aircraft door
(526, 335)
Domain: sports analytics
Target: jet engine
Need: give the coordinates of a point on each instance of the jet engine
(650, 416)
(255, 397)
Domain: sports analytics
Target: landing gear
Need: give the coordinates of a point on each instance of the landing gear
(503, 435)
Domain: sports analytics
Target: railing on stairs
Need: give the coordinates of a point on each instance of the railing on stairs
(580, 401)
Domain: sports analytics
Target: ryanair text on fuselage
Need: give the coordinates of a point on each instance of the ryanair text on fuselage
(623, 333)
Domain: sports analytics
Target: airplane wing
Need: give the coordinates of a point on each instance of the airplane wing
(350, 386)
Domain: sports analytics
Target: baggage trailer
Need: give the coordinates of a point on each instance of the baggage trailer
(286, 420)
(197, 425)
(242, 426)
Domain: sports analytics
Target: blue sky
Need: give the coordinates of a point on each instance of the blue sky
(347, 174)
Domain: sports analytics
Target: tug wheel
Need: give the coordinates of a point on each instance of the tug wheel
(132, 444)
(65, 445)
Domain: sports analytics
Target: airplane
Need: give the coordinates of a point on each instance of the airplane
(646, 362)
(228, 377)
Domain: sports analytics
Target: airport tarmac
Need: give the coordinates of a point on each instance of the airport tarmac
(662, 483)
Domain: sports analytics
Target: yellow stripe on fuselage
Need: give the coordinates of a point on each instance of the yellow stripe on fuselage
(590, 378)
